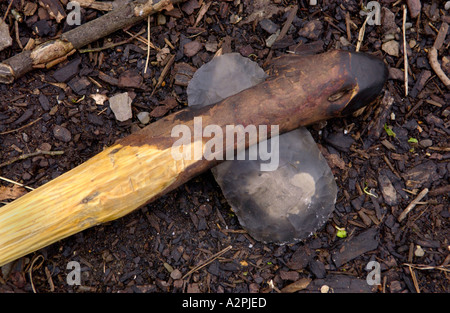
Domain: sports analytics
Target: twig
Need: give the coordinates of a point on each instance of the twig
(433, 55)
(20, 128)
(202, 12)
(16, 183)
(434, 63)
(164, 73)
(29, 155)
(30, 270)
(413, 276)
(208, 261)
(405, 53)
(7, 10)
(148, 45)
(428, 267)
(361, 34)
(113, 44)
(411, 206)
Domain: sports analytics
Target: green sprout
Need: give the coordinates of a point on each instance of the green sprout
(412, 140)
(389, 130)
(341, 232)
(368, 192)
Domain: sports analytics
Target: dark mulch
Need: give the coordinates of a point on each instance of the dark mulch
(153, 248)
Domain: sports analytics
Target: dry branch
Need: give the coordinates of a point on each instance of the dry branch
(125, 16)
(433, 55)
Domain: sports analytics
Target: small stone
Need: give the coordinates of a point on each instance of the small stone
(121, 106)
(391, 47)
(419, 252)
(388, 21)
(161, 19)
(414, 7)
(324, 289)
(62, 133)
(426, 143)
(312, 30)
(447, 5)
(192, 48)
(176, 274)
(143, 117)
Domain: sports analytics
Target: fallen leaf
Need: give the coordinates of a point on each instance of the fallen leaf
(11, 193)
(99, 98)
(297, 285)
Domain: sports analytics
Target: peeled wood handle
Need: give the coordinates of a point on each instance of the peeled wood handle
(140, 167)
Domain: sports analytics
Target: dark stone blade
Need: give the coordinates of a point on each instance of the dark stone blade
(281, 206)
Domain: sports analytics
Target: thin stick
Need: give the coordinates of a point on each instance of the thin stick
(29, 155)
(20, 128)
(405, 53)
(164, 73)
(428, 267)
(148, 44)
(16, 183)
(413, 275)
(30, 270)
(208, 261)
(411, 206)
(7, 10)
(361, 34)
(113, 44)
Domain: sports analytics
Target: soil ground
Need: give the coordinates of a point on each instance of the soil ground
(154, 248)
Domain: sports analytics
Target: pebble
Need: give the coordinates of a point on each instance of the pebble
(324, 289)
(414, 7)
(419, 252)
(143, 117)
(121, 106)
(426, 143)
(391, 47)
(62, 133)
